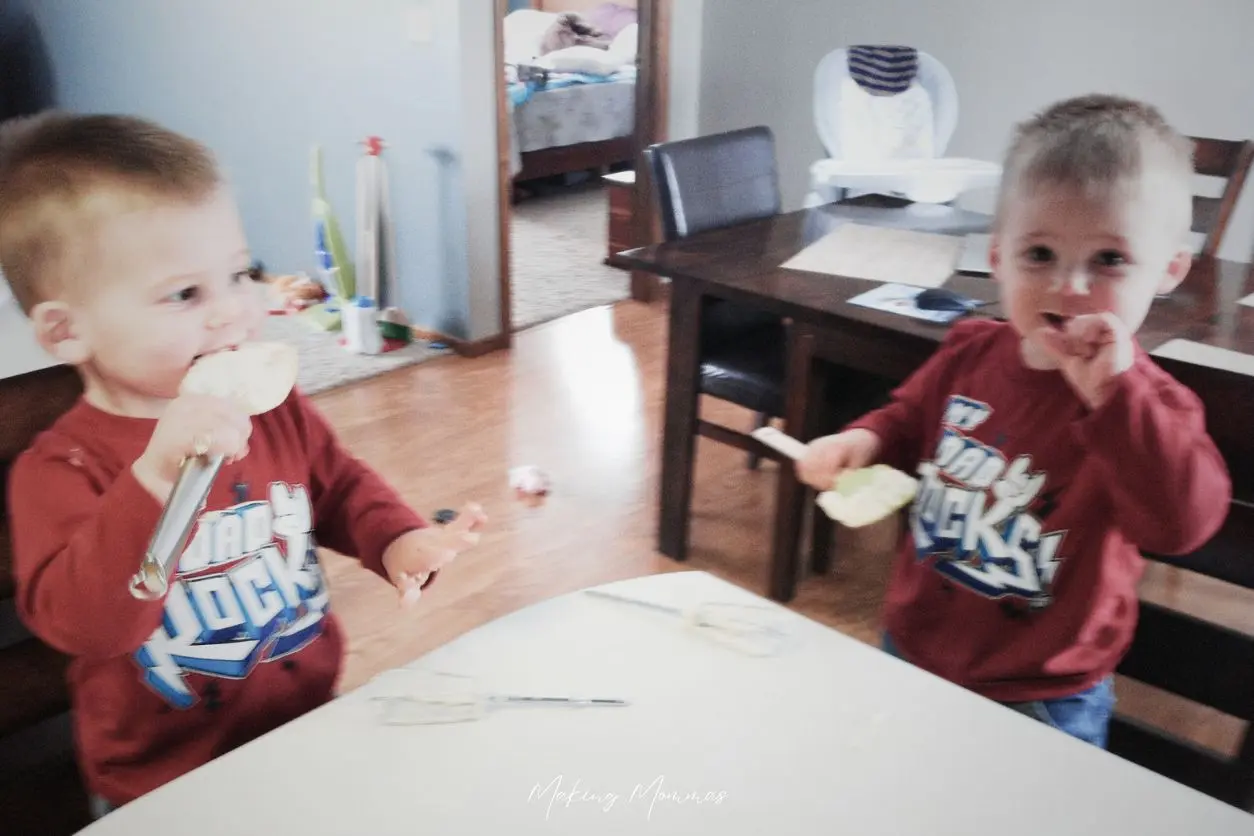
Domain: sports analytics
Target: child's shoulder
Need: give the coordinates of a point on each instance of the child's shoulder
(968, 333)
(69, 440)
(296, 421)
(977, 342)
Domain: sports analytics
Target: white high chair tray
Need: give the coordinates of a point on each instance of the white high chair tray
(935, 180)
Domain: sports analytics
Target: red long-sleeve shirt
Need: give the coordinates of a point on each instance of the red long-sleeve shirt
(244, 640)
(1018, 575)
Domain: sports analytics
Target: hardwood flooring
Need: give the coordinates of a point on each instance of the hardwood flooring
(581, 398)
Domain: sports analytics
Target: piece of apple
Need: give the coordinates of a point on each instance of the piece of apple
(259, 374)
(867, 495)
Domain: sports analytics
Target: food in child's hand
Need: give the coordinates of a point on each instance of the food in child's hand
(260, 375)
(867, 495)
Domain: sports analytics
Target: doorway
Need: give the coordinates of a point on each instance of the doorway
(578, 98)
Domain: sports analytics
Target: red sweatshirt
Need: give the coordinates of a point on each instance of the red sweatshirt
(1018, 575)
(244, 640)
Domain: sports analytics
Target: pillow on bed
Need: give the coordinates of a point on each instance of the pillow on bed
(524, 32)
(611, 18)
(582, 59)
(624, 47)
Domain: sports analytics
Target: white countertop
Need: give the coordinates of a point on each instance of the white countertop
(832, 736)
(19, 352)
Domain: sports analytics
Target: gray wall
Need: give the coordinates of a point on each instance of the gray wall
(261, 81)
(1008, 58)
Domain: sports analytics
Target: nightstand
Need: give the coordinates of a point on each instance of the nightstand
(619, 189)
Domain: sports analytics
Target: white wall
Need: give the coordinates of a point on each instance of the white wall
(1008, 58)
(685, 69)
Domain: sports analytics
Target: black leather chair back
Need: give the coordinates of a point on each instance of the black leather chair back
(41, 790)
(710, 182)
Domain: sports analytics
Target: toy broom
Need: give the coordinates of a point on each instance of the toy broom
(332, 252)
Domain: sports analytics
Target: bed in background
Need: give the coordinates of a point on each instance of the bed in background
(571, 92)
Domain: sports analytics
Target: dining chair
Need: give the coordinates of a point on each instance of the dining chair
(710, 182)
(1203, 662)
(40, 788)
(1183, 653)
(713, 182)
(1227, 160)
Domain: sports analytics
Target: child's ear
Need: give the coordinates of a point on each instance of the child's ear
(1177, 269)
(994, 255)
(58, 333)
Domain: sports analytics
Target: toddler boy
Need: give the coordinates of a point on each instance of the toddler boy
(122, 243)
(1051, 449)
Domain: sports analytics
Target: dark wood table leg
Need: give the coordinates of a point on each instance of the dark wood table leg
(679, 433)
(790, 494)
(822, 535)
(822, 528)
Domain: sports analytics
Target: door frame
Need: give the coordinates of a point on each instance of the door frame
(651, 101)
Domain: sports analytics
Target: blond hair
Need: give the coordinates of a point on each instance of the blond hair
(61, 172)
(1103, 146)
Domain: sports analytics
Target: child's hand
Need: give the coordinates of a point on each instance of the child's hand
(412, 557)
(192, 425)
(1091, 351)
(826, 457)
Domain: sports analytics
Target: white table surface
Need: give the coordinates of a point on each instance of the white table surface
(831, 737)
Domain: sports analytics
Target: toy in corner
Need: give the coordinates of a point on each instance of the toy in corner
(336, 271)
(367, 329)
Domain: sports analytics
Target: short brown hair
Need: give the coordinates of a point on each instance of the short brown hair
(55, 166)
(1100, 143)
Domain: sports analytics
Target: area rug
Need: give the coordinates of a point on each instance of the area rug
(558, 242)
(324, 364)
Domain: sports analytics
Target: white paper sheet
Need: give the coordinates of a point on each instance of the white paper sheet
(882, 254)
(1188, 351)
(1248, 301)
(899, 299)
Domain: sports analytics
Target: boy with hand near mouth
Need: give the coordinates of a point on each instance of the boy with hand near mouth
(123, 245)
(1051, 449)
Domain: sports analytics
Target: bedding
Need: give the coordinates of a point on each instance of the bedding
(572, 94)
(571, 115)
(611, 18)
(572, 30)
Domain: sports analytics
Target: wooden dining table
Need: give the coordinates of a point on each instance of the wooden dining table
(743, 264)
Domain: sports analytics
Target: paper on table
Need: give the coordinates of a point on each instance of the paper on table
(881, 254)
(1201, 354)
(899, 299)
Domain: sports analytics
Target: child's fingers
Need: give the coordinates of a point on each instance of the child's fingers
(472, 517)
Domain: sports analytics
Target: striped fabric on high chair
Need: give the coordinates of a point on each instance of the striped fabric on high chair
(883, 70)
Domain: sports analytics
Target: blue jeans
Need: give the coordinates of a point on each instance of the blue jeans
(1085, 715)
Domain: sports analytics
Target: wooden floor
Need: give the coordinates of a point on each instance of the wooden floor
(581, 398)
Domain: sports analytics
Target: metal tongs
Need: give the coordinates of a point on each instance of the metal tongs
(178, 518)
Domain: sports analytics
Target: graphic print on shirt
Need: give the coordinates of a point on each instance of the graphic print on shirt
(249, 590)
(980, 516)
